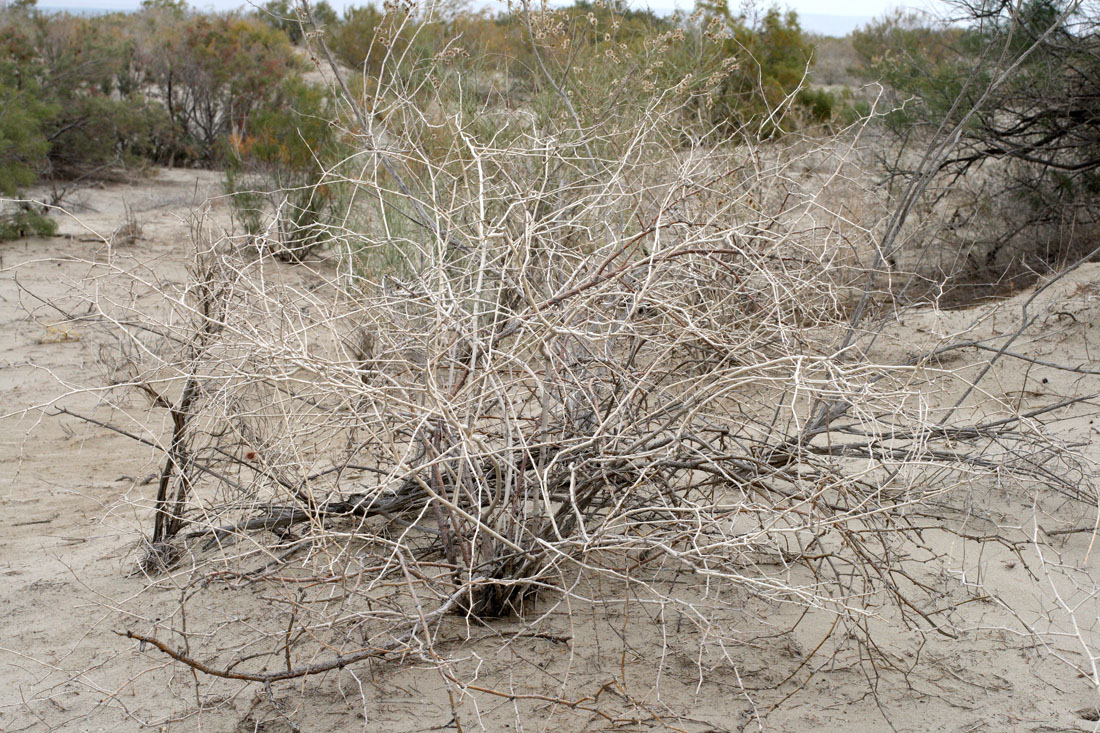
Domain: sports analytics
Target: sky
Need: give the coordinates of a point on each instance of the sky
(834, 18)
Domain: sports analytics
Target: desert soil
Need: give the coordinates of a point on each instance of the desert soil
(76, 498)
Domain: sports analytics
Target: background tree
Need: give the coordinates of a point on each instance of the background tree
(283, 15)
(279, 166)
(210, 73)
(1033, 138)
(24, 116)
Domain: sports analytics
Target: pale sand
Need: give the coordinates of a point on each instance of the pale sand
(71, 529)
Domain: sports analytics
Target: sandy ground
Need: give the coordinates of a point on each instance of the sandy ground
(75, 504)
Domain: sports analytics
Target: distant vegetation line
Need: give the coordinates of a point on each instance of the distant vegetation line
(823, 24)
(94, 96)
(86, 94)
(74, 10)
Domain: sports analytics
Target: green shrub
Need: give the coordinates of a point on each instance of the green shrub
(924, 67)
(249, 206)
(748, 76)
(25, 117)
(1038, 123)
(210, 73)
(73, 101)
(357, 41)
(819, 104)
(23, 144)
(278, 168)
(167, 85)
(82, 70)
(26, 222)
(283, 15)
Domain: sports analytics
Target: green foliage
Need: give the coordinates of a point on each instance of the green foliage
(601, 52)
(750, 75)
(24, 119)
(925, 67)
(778, 55)
(1045, 115)
(212, 72)
(249, 205)
(1040, 119)
(23, 145)
(89, 67)
(365, 37)
(1042, 112)
(171, 7)
(168, 85)
(98, 131)
(80, 108)
(278, 167)
(283, 15)
(26, 222)
(819, 105)
(81, 96)
(24, 116)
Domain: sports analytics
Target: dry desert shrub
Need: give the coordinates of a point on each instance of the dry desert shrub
(544, 369)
